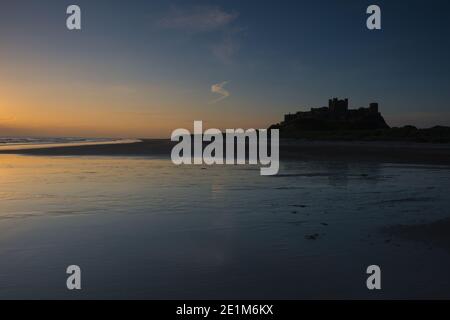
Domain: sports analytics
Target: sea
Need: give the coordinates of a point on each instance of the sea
(20, 143)
(44, 140)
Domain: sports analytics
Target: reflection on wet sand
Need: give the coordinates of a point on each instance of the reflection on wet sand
(144, 228)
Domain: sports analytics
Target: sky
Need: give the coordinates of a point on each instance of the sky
(144, 68)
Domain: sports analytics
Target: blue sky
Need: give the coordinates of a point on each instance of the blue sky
(162, 58)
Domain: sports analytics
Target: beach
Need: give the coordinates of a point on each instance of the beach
(376, 151)
(231, 152)
(140, 227)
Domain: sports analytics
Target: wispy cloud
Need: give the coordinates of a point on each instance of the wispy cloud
(218, 88)
(197, 19)
(207, 19)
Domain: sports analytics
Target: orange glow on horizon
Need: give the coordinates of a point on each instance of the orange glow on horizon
(42, 100)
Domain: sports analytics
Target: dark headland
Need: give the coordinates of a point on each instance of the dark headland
(338, 122)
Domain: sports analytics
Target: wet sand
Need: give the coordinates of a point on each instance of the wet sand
(149, 147)
(307, 233)
(142, 228)
(384, 152)
(435, 234)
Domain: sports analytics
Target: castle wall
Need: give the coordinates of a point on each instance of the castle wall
(337, 110)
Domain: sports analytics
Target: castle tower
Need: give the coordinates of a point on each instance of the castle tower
(373, 107)
(338, 106)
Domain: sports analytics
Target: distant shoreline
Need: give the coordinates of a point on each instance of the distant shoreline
(290, 149)
(45, 145)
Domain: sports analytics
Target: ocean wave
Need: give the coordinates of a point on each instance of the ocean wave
(46, 140)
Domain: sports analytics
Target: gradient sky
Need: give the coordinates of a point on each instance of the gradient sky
(144, 68)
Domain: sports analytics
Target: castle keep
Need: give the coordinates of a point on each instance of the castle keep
(337, 116)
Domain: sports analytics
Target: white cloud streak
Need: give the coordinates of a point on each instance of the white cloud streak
(218, 88)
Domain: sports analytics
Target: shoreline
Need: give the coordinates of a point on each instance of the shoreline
(30, 146)
(390, 152)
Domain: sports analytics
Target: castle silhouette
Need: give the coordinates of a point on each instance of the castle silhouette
(337, 116)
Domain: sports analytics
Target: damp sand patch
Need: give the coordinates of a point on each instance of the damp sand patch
(434, 234)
